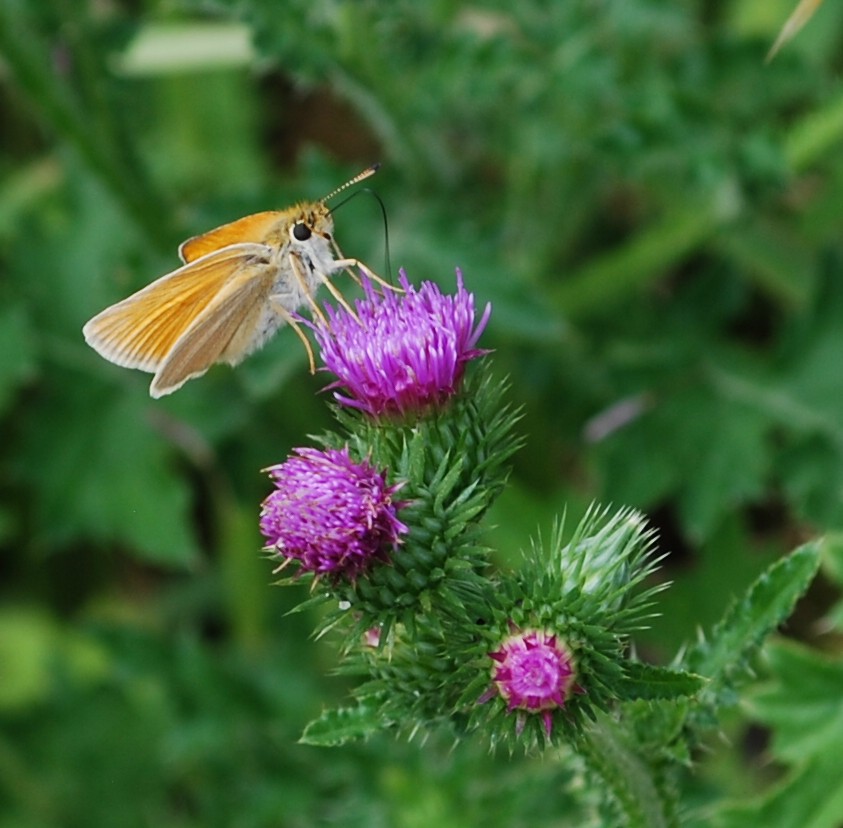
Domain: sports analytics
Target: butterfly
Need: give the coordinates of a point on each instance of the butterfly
(237, 286)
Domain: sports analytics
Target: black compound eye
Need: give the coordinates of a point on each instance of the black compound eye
(301, 232)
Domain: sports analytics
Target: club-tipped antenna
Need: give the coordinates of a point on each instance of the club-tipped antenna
(361, 176)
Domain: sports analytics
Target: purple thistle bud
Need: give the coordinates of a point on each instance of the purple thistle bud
(533, 672)
(401, 352)
(333, 515)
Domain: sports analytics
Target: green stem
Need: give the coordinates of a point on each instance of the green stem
(619, 272)
(815, 135)
(628, 778)
(245, 575)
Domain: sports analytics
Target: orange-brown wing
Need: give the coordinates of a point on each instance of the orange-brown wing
(255, 228)
(142, 330)
(229, 322)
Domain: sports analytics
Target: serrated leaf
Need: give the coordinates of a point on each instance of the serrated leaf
(767, 603)
(648, 681)
(811, 797)
(340, 726)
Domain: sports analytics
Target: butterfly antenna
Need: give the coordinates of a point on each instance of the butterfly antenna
(362, 176)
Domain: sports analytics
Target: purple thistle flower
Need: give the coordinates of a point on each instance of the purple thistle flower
(533, 672)
(404, 352)
(333, 515)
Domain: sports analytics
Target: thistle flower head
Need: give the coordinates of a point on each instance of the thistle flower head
(401, 352)
(533, 671)
(556, 635)
(333, 515)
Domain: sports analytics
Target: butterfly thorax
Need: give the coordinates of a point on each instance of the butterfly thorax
(296, 266)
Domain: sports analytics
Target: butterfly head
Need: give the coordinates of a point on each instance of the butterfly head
(311, 219)
(314, 218)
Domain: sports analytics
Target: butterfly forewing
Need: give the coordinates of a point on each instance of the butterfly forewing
(259, 228)
(142, 330)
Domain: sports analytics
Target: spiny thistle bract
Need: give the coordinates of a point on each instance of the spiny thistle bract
(535, 653)
(442, 445)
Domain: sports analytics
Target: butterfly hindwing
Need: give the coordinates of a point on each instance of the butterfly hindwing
(233, 314)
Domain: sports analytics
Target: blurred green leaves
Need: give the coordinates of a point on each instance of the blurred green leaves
(17, 352)
(112, 482)
(652, 210)
(801, 705)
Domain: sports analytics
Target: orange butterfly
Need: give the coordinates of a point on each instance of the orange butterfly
(238, 285)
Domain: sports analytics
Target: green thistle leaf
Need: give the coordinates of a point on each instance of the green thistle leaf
(340, 726)
(647, 681)
(724, 656)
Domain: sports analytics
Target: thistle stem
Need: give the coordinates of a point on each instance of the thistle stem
(626, 776)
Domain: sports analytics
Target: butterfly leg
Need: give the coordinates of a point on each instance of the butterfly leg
(332, 289)
(344, 263)
(347, 264)
(279, 308)
(317, 311)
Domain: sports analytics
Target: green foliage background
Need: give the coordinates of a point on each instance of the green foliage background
(655, 215)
